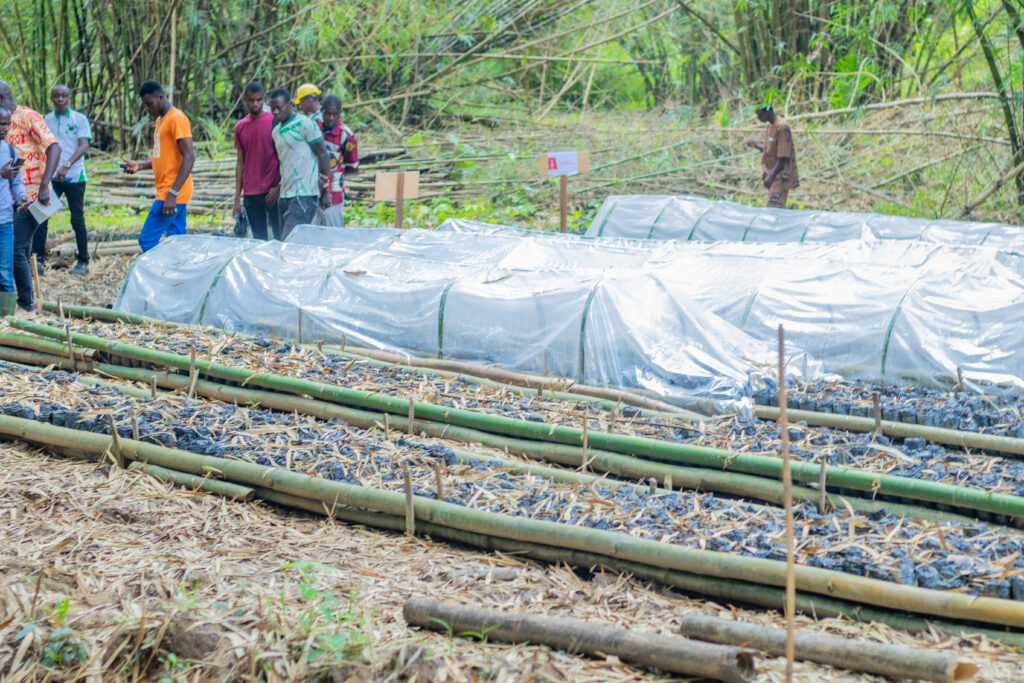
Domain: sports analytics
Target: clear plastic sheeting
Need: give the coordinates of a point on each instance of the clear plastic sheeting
(689, 322)
(624, 330)
(665, 217)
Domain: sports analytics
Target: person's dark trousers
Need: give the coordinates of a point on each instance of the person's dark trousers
(297, 211)
(74, 197)
(39, 244)
(260, 215)
(25, 228)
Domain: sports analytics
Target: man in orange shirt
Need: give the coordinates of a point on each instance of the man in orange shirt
(41, 151)
(778, 158)
(173, 158)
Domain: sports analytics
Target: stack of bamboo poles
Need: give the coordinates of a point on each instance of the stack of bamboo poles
(214, 179)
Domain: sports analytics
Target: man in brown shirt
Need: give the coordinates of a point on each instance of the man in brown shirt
(778, 158)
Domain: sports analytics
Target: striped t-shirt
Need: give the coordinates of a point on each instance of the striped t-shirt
(299, 170)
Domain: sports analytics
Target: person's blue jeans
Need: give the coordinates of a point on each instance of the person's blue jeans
(6, 257)
(157, 224)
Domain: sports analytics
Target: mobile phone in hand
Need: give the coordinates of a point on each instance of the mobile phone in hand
(18, 163)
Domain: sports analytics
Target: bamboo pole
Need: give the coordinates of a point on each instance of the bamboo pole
(194, 482)
(923, 601)
(949, 437)
(677, 655)
(846, 653)
(728, 591)
(787, 493)
(765, 466)
(730, 483)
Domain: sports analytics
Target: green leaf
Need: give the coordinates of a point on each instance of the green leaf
(25, 631)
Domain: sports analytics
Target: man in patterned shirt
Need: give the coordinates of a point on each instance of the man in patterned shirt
(342, 147)
(305, 168)
(778, 158)
(37, 145)
(73, 132)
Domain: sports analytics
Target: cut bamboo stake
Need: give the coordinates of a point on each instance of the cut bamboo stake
(823, 496)
(152, 386)
(35, 279)
(134, 421)
(410, 510)
(399, 200)
(387, 427)
(439, 481)
(192, 374)
(412, 417)
(585, 445)
(677, 655)
(846, 653)
(115, 443)
(71, 351)
(563, 203)
(787, 492)
(876, 408)
(60, 307)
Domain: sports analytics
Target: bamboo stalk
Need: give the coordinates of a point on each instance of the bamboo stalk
(946, 604)
(846, 653)
(677, 655)
(765, 466)
(194, 482)
(787, 493)
(731, 483)
(728, 591)
(950, 437)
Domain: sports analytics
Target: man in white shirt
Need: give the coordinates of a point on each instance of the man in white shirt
(73, 133)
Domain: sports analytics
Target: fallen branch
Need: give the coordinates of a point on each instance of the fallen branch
(845, 653)
(689, 657)
(992, 189)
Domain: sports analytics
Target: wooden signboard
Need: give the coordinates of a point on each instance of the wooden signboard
(397, 187)
(562, 165)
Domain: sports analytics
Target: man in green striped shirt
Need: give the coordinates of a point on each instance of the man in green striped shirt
(305, 166)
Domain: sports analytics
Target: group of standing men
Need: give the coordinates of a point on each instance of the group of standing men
(290, 162)
(41, 156)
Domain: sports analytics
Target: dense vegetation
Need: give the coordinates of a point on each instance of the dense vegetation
(524, 62)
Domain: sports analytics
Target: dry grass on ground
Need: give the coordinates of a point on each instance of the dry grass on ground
(123, 578)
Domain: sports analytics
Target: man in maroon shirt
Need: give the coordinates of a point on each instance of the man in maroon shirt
(257, 174)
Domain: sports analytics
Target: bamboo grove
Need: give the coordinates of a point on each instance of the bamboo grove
(415, 62)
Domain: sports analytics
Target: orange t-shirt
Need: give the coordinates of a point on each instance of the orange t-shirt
(170, 128)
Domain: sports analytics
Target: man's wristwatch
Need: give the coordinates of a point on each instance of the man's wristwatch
(173, 192)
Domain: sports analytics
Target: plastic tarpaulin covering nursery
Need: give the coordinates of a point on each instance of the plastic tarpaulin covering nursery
(665, 217)
(690, 323)
(446, 294)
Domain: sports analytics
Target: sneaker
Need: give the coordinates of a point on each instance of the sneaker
(81, 268)
(24, 313)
